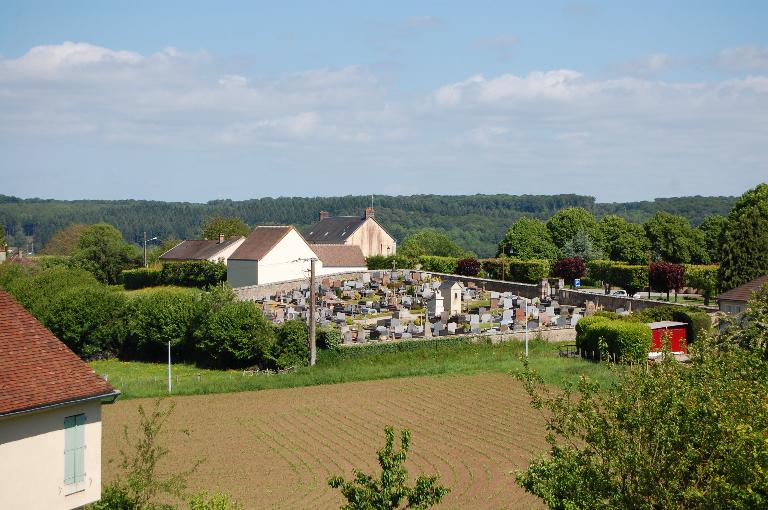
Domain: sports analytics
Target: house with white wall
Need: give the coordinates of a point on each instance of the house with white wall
(268, 255)
(218, 250)
(50, 417)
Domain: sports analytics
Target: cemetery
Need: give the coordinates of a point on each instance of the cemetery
(397, 305)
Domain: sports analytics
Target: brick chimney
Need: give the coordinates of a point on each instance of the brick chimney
(324, 215)
(369, 213)
(221, 238)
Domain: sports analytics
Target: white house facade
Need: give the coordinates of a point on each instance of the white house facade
(50, 417)
(269, 255)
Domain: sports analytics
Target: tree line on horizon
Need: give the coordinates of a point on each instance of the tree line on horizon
(474, 222)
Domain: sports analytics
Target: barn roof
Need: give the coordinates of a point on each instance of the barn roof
(36, 369)
(260, 242)
(339, 255)
(198, 249)
(335, 230)
(744, 292)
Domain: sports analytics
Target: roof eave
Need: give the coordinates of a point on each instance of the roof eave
(106, 398)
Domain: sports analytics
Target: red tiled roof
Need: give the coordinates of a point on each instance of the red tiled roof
(744, 292)
(36, 368)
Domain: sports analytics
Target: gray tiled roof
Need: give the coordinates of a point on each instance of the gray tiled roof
(334, 230)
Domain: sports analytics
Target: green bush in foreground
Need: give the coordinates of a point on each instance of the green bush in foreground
(627, 341)
(389, 491)
(143, 484)
(292, 346)
(140, 278)
(235, 335)
(667, 435)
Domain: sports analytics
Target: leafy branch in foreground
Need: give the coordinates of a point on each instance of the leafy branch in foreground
(390, 491)
(668, 435)
(143, 486)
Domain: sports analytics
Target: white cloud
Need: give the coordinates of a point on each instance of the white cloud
(749, 57)
(620, 138)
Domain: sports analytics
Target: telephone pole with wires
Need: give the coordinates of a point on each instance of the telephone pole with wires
(312, 304)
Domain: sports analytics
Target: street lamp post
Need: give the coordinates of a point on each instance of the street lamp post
(145, 247)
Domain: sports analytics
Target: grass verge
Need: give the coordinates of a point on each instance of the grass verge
(137, 379)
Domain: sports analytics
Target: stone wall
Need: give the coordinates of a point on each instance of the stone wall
(528, 290)
(608, 302)
(257, 292)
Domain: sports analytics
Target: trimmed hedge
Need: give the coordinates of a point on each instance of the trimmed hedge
(516, 270)
(628, 341)
(438, 264)
(528, 271)
(381, 262)
(631, 278)
(140, 278)
(192, 273)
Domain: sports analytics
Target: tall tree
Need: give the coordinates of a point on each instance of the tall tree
(529, 238)
(711, 231)
(666, 276)
(102, 251)
(64, 241)
(570, 268)
(582, 246)
(566, 223)
(621, 240)
(228, 226)
(745, 242)
(429, 242)
(672, 239)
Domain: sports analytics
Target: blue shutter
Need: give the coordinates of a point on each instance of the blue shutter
(74, 449)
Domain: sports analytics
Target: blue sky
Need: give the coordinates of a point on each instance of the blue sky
(201, 100)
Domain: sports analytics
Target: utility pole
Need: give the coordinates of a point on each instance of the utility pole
(145, 249)
(170, 385)
(312, 321)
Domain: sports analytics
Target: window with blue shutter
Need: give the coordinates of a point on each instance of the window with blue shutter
(74, 449)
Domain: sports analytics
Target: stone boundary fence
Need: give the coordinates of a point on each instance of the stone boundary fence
(256, 292)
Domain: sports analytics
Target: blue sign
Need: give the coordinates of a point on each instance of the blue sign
(577, 282)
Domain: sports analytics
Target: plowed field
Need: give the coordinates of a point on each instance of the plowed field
(277, 448)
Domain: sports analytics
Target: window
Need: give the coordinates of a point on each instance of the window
(74, 449)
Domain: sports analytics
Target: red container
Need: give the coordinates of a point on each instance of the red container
(675, 332)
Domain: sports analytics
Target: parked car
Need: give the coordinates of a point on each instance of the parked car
(619, 293)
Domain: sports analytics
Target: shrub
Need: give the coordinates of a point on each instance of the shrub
(292, 346)
(438, 264)
(382, 262)
(159, 317)
(215, 501)
(90, 320)
(36, 291)
(389, 490)
(140, 278)
(493, 267)
(628, 341)
(703, 278)
(468, 267)
(600, 269)
(235, 334)
(528, 271)
(328, 337)
(569, 269)
(631, 278)
(193, 273)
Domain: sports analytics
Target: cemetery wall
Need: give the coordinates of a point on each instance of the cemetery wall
(256, 292)
(528, 290)
(608, 302)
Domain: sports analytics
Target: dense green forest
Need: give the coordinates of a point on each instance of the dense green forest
(475, 222)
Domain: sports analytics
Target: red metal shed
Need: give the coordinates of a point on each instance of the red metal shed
(675, 331)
